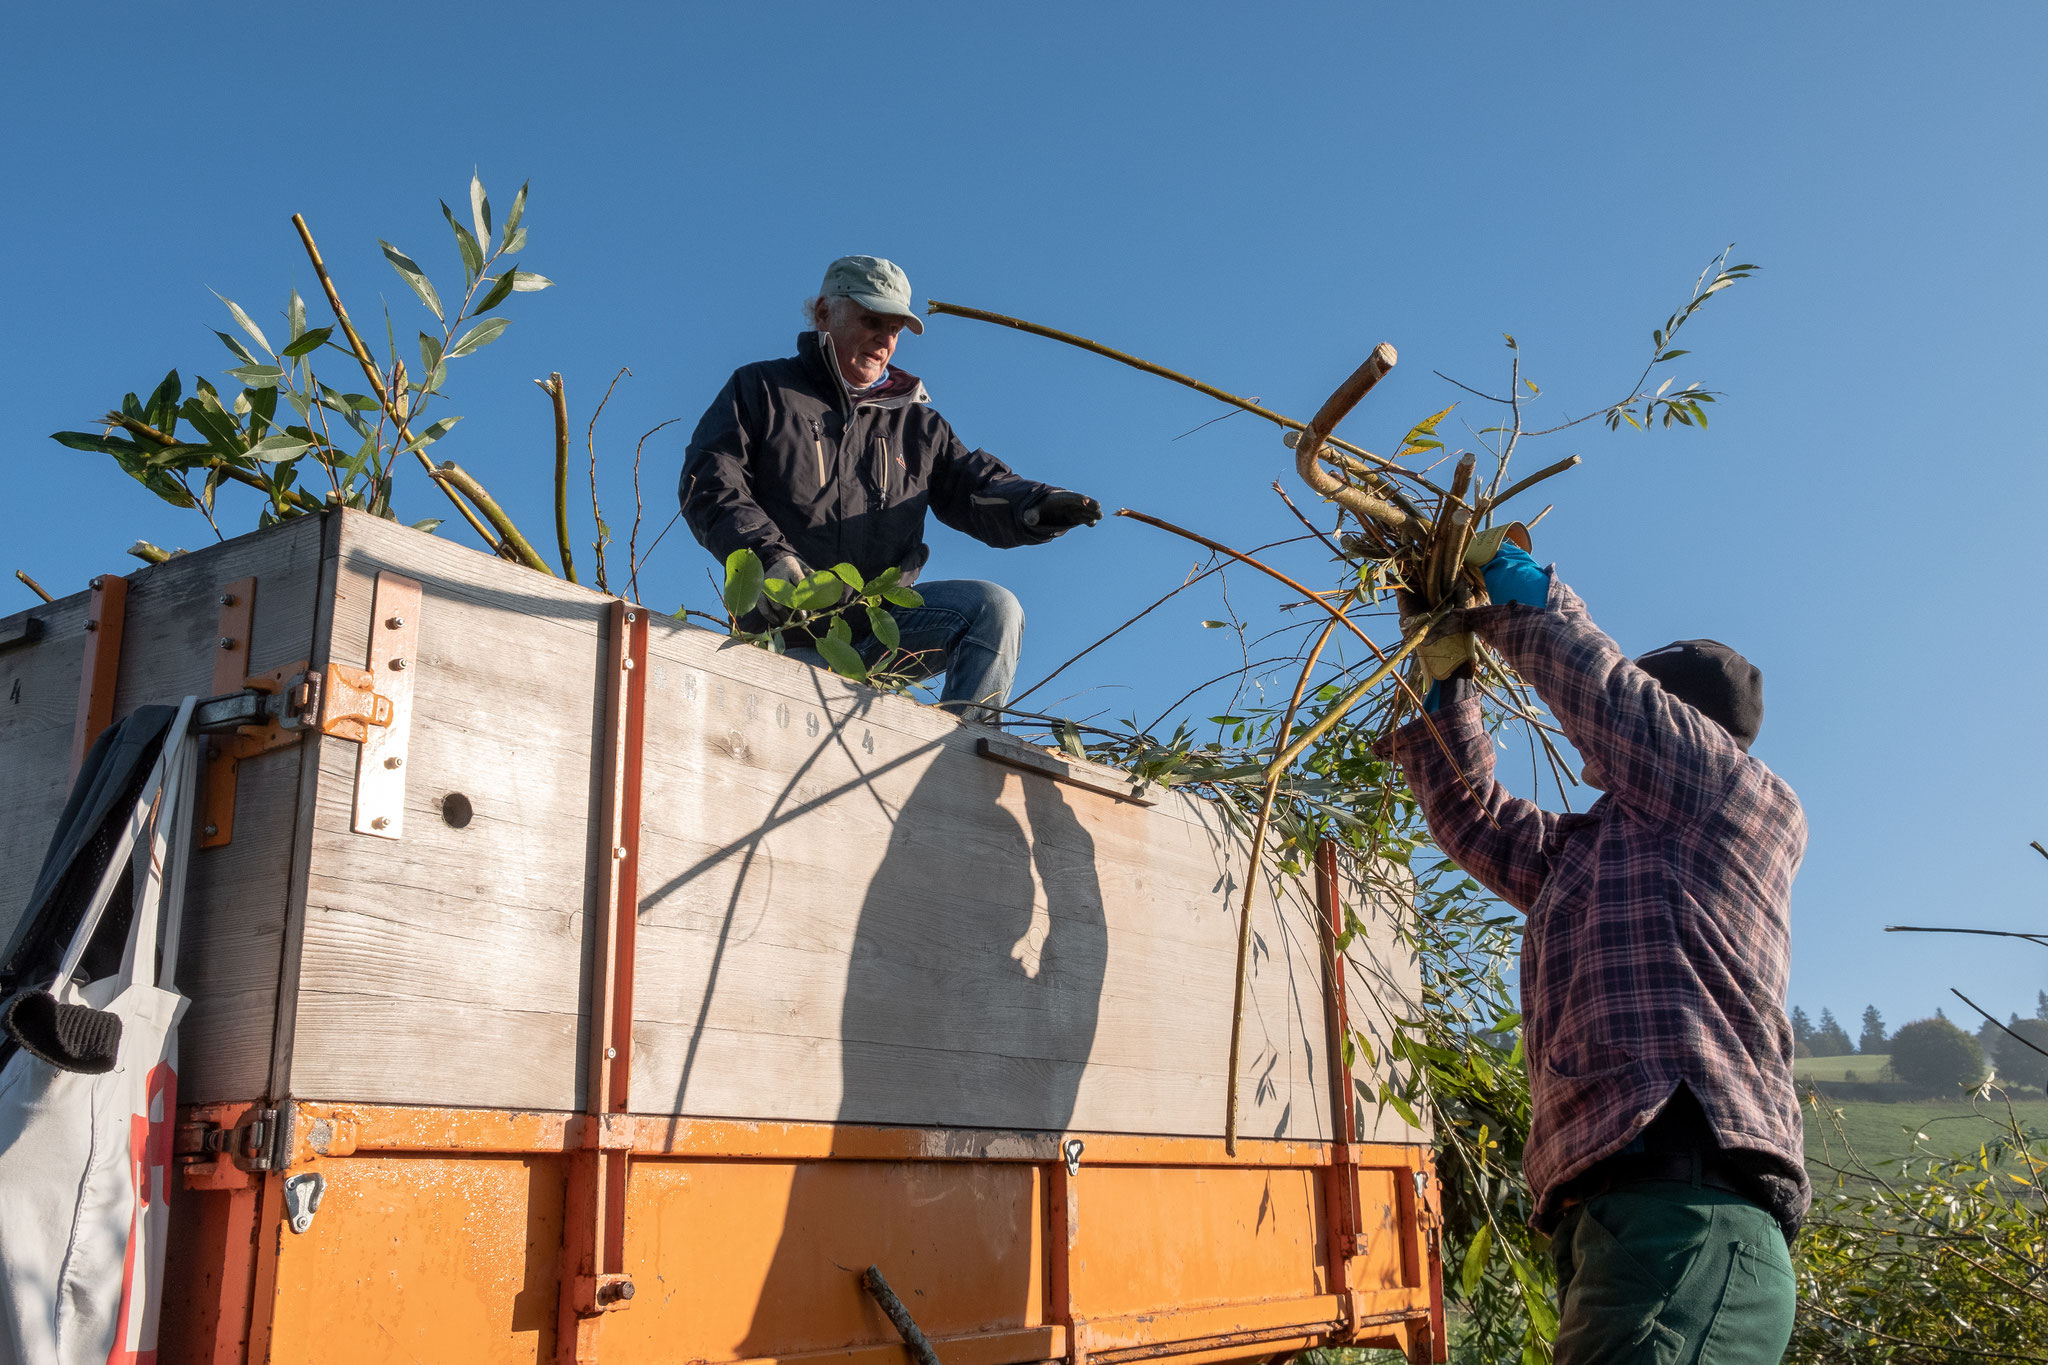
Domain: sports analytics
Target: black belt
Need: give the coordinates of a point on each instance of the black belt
(1686, 1168)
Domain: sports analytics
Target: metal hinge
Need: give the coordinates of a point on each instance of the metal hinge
(262, 1141)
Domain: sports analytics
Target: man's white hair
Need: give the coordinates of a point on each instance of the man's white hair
(835, 309)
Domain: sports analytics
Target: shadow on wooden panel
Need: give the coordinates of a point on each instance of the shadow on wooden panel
(974, 984)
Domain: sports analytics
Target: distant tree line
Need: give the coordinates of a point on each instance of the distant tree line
(1934, 1056)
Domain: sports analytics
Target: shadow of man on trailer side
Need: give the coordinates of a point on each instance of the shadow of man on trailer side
(972, 995)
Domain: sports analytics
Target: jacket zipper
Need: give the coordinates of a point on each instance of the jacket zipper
(882, 463)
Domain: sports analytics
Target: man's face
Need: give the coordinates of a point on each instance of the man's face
(863, 341)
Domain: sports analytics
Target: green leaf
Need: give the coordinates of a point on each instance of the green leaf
(161, 411)
(430, 355)
(526, 282)
(743, 572)
(240, 352)
(242, 320)
(818, 591)
(781, 593)
(904, 597)
(1532, 386)
(479, 209)
(1070, 740)
(512, 219)
(515, 242)
(295, 314)
(278, 448)
(259, 376)
(501, 289)
(309, 342)
(837, 647)
(850, 576)
(432, 434)
(885, 580)
(1474, 1267)
(483, 334)
(1215, 625)
(207, 416)
(472, 254)
(885, 628)
(96, 444)
(428, 525)
(413, 276)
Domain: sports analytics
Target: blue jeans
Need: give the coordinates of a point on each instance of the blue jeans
(969, 630)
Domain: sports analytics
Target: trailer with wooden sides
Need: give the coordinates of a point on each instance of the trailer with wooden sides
(569, 984)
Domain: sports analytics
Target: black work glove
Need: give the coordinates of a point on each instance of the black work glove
(1060, 511)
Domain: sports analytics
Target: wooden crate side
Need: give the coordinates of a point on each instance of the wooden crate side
(1383, 982)
(236, 895)
(848, 914)
(449, 966)
(38, 710)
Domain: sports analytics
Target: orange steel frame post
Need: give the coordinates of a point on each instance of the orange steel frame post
(105, 616)
(594, 1225)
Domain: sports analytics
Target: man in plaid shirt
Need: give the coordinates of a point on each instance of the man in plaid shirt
(1665, 1147)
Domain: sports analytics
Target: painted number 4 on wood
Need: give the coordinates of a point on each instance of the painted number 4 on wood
(393, 660)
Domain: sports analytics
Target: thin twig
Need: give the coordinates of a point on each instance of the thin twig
(34, 586)
(633, 540)
(1991, 933)
(1401, 682)
(1538, 477)
(1136, 363)
(377, 386)
(1987, 1014)
(1255, 853)
(604, 532)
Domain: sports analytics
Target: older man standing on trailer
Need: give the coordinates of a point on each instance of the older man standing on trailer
(834, 455)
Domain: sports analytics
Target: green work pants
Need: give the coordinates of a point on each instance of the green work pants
(1667, 1273)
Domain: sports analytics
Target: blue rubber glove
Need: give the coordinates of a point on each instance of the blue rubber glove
(1513, 576)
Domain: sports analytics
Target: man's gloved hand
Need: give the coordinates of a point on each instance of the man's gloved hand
(1060, 511)
(1502, 557)
(792, 571)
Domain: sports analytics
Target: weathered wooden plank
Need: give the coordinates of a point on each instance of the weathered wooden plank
(236, 895)
(448, 967)
(838, 891)
(235, 900)
(38, 706)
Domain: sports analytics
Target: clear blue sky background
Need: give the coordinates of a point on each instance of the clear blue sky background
(1254, 194)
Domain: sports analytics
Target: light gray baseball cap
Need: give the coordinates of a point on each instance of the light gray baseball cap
(875, 284)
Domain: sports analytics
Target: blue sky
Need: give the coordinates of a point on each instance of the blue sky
(1255, 195)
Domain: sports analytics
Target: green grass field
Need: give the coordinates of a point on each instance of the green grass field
(1866, 1068)
(1886, 1132)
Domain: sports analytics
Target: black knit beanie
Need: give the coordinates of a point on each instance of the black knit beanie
(1725, 687)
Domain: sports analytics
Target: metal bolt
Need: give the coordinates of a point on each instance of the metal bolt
(627, 663)
(610, 1053)
(212, 830)
(394, 762)
(398, 664)
(227, 599)
(631, 617)
(380, 822)
(395, 623)
(95, 584)
(617, 1291)
(227, 642)
(619, 852)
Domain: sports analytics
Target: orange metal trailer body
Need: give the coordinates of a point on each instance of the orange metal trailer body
(859, 987)
(439, 1237)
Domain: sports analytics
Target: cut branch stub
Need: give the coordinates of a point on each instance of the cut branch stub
(1372, 502)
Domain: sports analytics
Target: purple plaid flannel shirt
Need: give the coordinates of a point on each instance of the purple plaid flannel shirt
(1658, 935)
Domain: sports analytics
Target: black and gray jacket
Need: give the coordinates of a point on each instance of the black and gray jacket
(786, 462)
